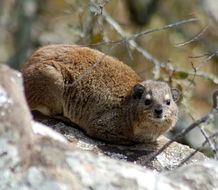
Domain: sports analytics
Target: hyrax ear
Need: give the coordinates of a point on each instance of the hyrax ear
(138, 90)
(175, 94)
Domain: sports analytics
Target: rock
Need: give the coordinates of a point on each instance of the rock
(167, 160)
(32, 156)
(27, 161)
(202, 175)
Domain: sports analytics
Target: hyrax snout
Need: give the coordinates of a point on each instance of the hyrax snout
(109, 102)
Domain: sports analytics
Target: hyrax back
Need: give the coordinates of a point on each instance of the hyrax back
(99, 93)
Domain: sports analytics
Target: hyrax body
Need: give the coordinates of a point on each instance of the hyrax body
(102, 95)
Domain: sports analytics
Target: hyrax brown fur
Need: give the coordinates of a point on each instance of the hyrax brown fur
(109, 102)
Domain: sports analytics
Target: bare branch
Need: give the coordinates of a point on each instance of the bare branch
(197, 150)
(103, 5)
(195, 38)
(133, 44)
(121, 32)
(148, 56)
(199, 56)
(98, 9)
(129, 51)
(206, 60)
(207, 76)
(130, 40)
(173, 25)
(209, 142)
(192, 80)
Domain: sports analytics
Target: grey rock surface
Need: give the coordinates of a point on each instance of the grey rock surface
(32, 156)
(138, 154)
(202, 175)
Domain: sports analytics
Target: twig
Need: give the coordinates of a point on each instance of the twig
(99, 8)
(119, 30)
(199, 56)
(210, 143)
(133, 44)
(130, 40)
(197, 150)
(204, 119)
(103, 5)
(192, 80)
(195, 38)
(134, 36)
(147, 55)
(173, 25)
(128, 50)
(87, 24)
(206, 60)
(144, 53)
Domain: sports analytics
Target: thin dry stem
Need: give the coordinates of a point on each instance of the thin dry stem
(209, 142)
(194, 38)
(173, 25)
(206, 60)
(197, 150)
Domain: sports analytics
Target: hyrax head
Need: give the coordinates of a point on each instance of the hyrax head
(155, 101)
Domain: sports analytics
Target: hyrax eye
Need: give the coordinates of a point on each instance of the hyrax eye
(148, 102)
(168, 102)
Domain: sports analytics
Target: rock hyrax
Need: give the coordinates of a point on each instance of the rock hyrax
(109, 102)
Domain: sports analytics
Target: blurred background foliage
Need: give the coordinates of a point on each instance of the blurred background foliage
(26, 25)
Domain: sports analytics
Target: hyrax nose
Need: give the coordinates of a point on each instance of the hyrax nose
(158, 111)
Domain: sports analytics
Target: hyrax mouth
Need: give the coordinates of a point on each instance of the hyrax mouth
(158, 113)
(158, 117)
